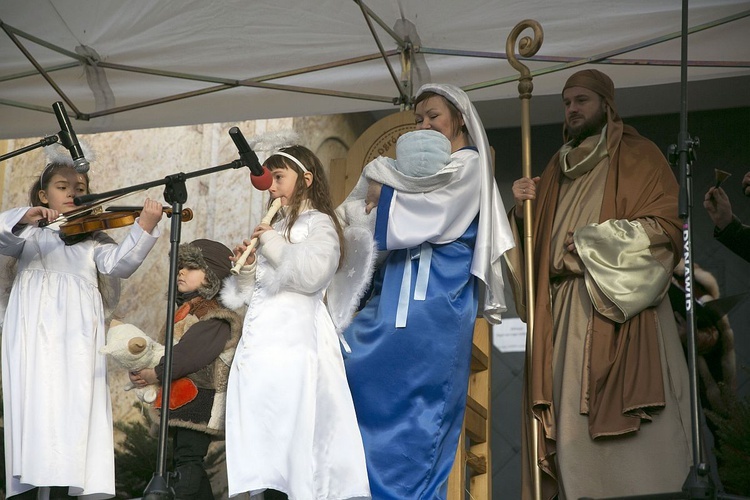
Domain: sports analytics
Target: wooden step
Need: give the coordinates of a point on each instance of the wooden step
(476, 463)
(475, 421)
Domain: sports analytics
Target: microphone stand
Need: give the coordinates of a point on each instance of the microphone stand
(50, 139)
(698, 484)
(175, 192)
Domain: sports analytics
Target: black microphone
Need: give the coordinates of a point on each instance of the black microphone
(259, 176)
(69, 140)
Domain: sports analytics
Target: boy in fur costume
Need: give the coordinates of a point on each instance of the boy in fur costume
(206, 334)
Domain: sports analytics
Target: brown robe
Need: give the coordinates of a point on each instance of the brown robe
(598, 371)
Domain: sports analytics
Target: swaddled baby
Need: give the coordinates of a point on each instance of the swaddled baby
(423, 163)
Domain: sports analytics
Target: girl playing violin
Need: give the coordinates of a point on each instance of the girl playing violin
(290, 422)
(57, 411)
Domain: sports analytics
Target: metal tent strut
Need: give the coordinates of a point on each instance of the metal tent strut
(404, 50)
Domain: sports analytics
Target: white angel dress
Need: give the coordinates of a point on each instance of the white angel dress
(290, 421)
(57, 409)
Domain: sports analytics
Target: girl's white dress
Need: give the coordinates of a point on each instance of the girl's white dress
(57, 410)
(290, 421)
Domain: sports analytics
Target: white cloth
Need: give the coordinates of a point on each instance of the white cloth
(58, 415)
(290, 421)
(494, 235)
(438, 216)
(385, 171)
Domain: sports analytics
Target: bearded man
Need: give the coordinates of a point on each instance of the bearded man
(608, 378)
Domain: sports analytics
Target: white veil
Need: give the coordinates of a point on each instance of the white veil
(494, 236)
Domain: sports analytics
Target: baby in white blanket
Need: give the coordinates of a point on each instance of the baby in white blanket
(423, 163)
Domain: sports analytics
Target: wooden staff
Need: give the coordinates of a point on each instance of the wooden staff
(265, 220)
(527, 47)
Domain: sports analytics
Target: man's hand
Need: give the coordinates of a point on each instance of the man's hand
(523, 189)
(570, 244)
(718, 207)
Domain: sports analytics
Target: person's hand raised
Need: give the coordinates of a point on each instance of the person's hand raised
(35, 214)
(150, 215)
(718, 207)
(523, 189)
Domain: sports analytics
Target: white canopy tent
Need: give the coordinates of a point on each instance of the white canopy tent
(151, 63)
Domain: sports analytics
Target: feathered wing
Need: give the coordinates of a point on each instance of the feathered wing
(351, 280)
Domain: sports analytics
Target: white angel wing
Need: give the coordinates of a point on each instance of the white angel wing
(351, 280)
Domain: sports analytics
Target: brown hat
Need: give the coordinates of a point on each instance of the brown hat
(595, 81)
(210, 256)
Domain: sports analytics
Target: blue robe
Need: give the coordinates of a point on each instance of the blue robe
(409, 383)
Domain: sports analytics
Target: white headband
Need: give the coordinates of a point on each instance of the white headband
(295, 160)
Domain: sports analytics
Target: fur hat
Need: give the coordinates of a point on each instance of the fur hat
(212, 258)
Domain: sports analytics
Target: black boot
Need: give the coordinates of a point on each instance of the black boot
(192, 483)
(55, 493)
(270, 494)
(59, 493)
(26, 495)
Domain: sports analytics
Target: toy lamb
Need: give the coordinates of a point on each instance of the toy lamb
(134, 350)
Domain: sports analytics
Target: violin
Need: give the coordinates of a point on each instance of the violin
(111, 218)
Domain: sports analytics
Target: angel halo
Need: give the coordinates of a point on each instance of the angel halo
(57, 153)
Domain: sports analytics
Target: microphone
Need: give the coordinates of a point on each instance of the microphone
(69, 140)
(260, 176)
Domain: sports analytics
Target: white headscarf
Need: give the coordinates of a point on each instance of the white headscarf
(494, 236)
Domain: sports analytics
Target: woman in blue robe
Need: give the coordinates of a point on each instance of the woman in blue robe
(411, 343)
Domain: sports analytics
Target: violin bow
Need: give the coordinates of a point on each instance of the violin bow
(80, 212)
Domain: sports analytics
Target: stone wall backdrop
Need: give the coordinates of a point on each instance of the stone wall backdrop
(225, 208)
